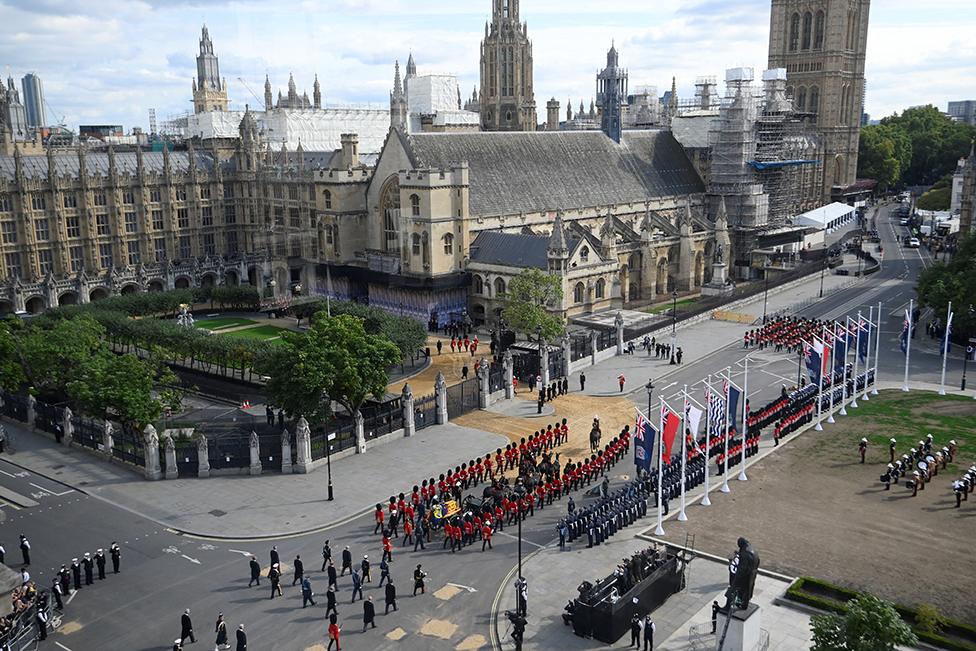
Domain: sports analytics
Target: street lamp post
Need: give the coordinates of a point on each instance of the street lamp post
(674, 325)
(328, 461)
(766, 290)
(538, 333)
(970, 348)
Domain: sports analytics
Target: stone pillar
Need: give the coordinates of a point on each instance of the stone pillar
(618, 321)
(303, 441)
(285, 452)
(440, 396)
(150, 450)
(509, 365)
(484, 385)
(567, 354)
(544, 361)
(406, 403)
(68, 427)
(203, 456)
(172, 472)
(107, 442)
(255, 468)
(593, 346)
(31, 411)
(360, 432)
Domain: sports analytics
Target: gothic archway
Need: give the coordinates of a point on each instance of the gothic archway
(635, 279)
(68, 298)
(390, 213)
(98, 294)
(699, 269)
(6, 307)
(131, 288)
(231, 278)
(662, 276)
(208, 279)
(183, 282)
(156, 286)
(35, 305)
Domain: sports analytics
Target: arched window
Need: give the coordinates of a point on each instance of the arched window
(807, 31)
(601, 288)
(390, 208)
(818, 30)
(416, 243)
(801, 99)
(794, 32)
(499, 287)
(425, 250)
(328, 200)
(478, 285)
(415, 205)
(813, 103)
(505, 9)
(843, 105)
(449, 244)
(578, 293)
(585, 254)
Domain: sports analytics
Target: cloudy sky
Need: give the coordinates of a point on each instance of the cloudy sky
(109, 61)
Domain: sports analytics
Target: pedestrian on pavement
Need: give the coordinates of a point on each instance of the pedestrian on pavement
(648, 633)
(357, 586)
(25, 549)
(390, 597)
(369, 614)
(255, 572)
(418, 579)
(274, 555)
(100, 563)
(364, 566)
(330, 602)
(241, 638)
(440, 345)
(58, 592)
(679, 354)
(621, 380)
(326, 555)
(384, 572)
(582, 381)
(269, 414)
(635, 630)
(715, 608)
(3, 552)
(346, 561)
(274, 575)
(24, 576)
(307, 593)
(333, 577)
(299, 570)
(89, 566)
(334, 634)
(221, 630)
(186, 627)
(116, 555)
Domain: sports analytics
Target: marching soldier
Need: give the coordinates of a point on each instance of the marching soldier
(892, 444)
(89, 568)
(100, 563)
(116, 555)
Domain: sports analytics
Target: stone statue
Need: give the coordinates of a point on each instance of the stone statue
(742, 576)
(202, 444)
(719, 254)
(254, 439)
(170, 446)
(152, 439)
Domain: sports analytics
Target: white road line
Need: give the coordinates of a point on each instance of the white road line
(40, 488)
(8, 474)
(192, 560)
(527, 542)
(71, 596)
(63, 646)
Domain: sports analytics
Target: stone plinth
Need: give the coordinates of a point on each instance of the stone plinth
(744, 629)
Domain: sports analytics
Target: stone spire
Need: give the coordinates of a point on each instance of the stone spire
(317, 93)
(411, 67)
(398, 101)
(557, 251)
(673, 103)
(268, 99)
(292, 91)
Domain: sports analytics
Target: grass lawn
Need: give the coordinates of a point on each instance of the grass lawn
(661, 309)
(263, 333)
(221, 323)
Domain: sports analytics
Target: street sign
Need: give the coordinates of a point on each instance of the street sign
(332, 436)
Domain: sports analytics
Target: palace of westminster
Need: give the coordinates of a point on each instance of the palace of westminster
(432, 207)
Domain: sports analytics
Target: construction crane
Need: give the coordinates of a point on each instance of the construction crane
(253, 94)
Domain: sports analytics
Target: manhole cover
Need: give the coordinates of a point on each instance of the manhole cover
(217, 513)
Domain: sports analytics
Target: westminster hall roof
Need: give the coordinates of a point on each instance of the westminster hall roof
(548, 171)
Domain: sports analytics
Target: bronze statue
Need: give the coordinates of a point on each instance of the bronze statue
(742, 576)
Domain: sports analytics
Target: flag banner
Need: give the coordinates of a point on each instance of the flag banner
(840, 348)
(903, 339)
(863, 337)
(812, 358)
(716, 410)
(947, 346)
(644, 435)
(693, 419)
(734, 394)
(671, 424)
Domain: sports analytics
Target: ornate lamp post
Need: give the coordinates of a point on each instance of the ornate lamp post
(674, 325)
(766, 266)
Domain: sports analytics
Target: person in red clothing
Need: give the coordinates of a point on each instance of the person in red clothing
(499, 517)
(334, 633)
(540, 492)
(453, 344)
(467, 343)
(388, 548)
(408, 531)
(621, 380)
(378, 516)
(468, 532)
(485, 536)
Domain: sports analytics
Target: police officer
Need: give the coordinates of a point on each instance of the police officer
(418, 580)
(862, 448)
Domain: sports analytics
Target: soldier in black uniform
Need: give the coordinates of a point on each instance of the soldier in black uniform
(89, 566)
(892, 444)
(100, 564)
(76, 573)
(116, 555)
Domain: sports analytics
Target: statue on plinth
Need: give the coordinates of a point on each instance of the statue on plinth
(742, 576)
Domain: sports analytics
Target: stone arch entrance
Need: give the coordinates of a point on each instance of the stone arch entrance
(635, 278)
(699, 269)
(208, 280)
(183, 282)
(6, 307)
(98, 294)
(662, 276)
(68, 298)
(232, 278)
(156, 285)
(35, 305)
(131, 288)
(254, 276)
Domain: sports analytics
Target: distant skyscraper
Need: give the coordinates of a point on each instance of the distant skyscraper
(34, 100)
(964, 111)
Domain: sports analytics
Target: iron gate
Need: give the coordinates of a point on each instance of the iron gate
(496, 377)
(47, 418)
(87, 431)
(579, 346)
(128, 446)
(229, 451)
(383, 419)
(556, 367)
(462, 398)
(15, 406)
(425, 411)
(187, 458)
(269, 448)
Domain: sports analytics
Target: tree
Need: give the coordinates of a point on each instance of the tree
(335, 360)
(952, 281)
(885, 153)
(51, 353)
(869, 625)
(530, 296)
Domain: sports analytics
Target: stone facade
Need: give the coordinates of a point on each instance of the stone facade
(822, 45)
(209, 90)
(507, 101)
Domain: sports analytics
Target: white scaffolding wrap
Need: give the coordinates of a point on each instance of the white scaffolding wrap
(432, 94)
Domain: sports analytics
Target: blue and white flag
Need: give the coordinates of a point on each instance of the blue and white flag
(863, 337)
(734, 393)
(947, 346)
(905, 333)
(716, 411)
(812, 356)
(840, 347)
(644, 435)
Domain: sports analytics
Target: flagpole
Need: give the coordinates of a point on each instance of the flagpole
(682, 517)
(745, 421)
(867, 354)
(708, 432)
(659, 531)
(847, 346)
(857, 355)
(830, 369)
(877, 352)
(819, 426)
(725, 455)
(945, 348)
(908, 343)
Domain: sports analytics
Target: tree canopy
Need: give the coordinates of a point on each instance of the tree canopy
(407, 333)
(953, 281)
(530, 296)
(335, 360)
(869, 625)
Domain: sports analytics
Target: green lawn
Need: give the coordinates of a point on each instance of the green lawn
(263, 333)
(661, 309)
(221, 323)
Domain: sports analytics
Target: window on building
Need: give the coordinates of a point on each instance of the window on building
(204, 191)
(182, 218)
(101, 225)
(505, 8)
(157, 220)
(801, 99)
(818, 31)
(38, 202)
(181, 194)
(296, 247)
(73, 226)
(448, 244)
(279, 216)
(77, 258)
(8, 232)
(42, 230)
(294, 219)
(794, 40)
(4, 203)
(230, 215)
(280, 248)
(134, 252)
(185, 250)
(499, 287)
(277, 192)
(478, 285)
(232, 247)
(601, 288)
(579, 292)
(209, 244)
(585, 254)
(206, 216)
(154, 195)
(228, 191)
(328, 200)
(12, 260)
(415, 205)
(105, 256)
(293, 192)
(159, 249)
(807, 39)
(70, 200)
(100, 199)
(45, 261)
(415, 239)
(131, 223)
(813, 101)
(128, 197)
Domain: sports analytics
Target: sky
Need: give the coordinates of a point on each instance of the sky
(110, 61)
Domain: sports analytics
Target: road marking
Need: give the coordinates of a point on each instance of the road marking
(63, 646)
(192, 560)
(463, 587)
(528, 542)
(242, 553)
(41, 488)
(8, 474)
(71, 596)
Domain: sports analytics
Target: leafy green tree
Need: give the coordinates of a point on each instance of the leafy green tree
(52, 353)
(530, 296)
(335, 360)
(953, 281)
(937, 143)
(869, 625)
(885, 153)
(11, 374)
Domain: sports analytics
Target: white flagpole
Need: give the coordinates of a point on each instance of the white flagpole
(725, 432)
(819, 426)
(682, 517)
(908, 343)
(847, 351)
(830, 369)
(857, 356)
(877, 352)
(659, 531)
(945, 348)
(867, 354)
(708, 432)
(745, 424)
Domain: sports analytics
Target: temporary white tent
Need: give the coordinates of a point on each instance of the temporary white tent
(827, 217)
